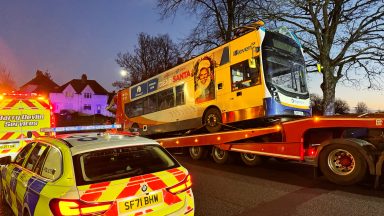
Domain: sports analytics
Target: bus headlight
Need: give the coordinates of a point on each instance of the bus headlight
(276, 97)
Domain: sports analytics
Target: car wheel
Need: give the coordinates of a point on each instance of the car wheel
(2, 197)
(26, 213)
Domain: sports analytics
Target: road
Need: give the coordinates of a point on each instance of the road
(275, 188)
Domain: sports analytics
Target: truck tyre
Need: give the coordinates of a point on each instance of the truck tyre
(220, 156)
(212, 120)
(198, 152)
(342, 164)
(251, 159)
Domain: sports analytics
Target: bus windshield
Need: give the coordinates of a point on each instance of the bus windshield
(283, 64)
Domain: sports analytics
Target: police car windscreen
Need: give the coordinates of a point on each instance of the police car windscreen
(118, 163)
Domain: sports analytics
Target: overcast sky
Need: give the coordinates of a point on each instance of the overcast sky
(72, 37)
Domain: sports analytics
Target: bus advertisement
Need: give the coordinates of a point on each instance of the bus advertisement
(260, 74)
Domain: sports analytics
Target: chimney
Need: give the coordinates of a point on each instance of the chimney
(84, 78)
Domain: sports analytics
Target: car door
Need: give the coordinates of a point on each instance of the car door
(27, 189)
(10, 174)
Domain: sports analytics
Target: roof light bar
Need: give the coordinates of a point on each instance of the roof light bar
(81, 128)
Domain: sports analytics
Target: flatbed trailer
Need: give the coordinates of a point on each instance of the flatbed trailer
(344, 149)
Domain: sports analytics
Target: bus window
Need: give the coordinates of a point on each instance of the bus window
(180, 95)
(165, 99)
(225, 56)
(243, 76)
(150, 104)
(135, 108)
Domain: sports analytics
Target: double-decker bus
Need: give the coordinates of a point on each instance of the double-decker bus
(260, 74)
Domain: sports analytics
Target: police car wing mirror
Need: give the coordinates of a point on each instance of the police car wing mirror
(252, 63)
(5, 160)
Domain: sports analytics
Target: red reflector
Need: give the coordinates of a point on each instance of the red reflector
(310, 152)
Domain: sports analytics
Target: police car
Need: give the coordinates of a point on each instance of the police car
(95, 174)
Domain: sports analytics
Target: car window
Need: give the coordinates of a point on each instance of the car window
(39, 165)
(19, 159)
(35, 155)
(122, 162)
(53, 164)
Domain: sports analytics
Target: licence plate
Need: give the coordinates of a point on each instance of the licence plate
(134, 204)
(7, 146)
(300, 113)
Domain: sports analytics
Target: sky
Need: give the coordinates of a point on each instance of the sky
(74, 37)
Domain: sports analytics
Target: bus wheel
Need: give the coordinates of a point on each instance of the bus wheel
(251, 159)
(220, 156)
(342, 164)
(134, 128)
(212, 120)
(198, 152)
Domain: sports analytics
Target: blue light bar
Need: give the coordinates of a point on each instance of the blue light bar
(81, 128)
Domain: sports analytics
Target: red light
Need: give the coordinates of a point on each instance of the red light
(181, 186)
(311, 152)
(63, 207)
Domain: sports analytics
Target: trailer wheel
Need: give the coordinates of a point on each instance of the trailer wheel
(220, 156)
(342, 164)
(251, 159)
(198, 152)
(212, 120)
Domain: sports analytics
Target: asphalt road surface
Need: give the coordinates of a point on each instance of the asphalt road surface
(274, 188)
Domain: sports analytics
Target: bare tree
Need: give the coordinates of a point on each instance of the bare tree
(151, 56)
(316, 102)
(341, 107)
(7, 84)
(344, 36)
(217, 20)
(46, 74)
(361, 108)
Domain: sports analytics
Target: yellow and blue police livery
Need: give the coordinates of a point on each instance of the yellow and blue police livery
(95, 174)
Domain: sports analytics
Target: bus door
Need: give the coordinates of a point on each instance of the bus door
(223, 88)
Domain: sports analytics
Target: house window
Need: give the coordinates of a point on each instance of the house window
(68, 94)
(87, 95)
(87, 107)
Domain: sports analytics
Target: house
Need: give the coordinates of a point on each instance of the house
(42, 84)
(87, 97)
